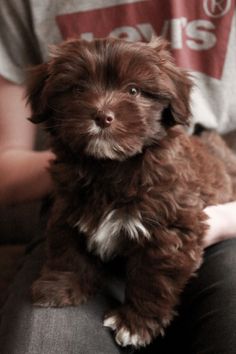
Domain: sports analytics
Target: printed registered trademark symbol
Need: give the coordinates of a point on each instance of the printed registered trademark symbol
(216, 8)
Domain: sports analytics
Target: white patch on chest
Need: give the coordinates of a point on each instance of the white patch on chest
(104, 240)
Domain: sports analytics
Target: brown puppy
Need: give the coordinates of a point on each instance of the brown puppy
(128, 181)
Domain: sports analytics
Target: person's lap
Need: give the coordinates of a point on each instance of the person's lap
(206, 322)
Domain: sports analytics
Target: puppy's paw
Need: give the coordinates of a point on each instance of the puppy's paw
(132, 329)
(57, 289)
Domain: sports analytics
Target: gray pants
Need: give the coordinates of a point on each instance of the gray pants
(70, 330)
(206, 323)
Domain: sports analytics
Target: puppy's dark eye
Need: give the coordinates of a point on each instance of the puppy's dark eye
(77, 89)
(134, 91)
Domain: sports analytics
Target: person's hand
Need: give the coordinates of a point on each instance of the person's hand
(24, 175)
(222, 223)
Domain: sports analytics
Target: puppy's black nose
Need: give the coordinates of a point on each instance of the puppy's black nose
(104, 119)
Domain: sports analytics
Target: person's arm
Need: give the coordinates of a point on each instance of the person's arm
(222, 223)
(23, 172)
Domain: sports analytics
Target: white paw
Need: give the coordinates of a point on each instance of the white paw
(124, 338)
(110, 322)
(123, 335)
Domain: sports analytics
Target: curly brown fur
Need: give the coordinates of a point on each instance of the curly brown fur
(128, 180)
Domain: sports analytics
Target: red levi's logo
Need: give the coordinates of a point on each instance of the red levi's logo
(198, 30)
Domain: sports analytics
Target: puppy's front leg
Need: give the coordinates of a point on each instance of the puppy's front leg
(155, 279)
(70, 274)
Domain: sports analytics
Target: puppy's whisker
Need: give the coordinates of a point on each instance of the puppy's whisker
(59, 126)
(54, 108)
(67, 119)
(152, 221)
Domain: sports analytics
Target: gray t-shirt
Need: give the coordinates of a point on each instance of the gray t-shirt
(202, 36)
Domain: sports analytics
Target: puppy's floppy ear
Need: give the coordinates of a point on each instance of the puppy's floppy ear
(36, 95)
(176, 81)
(178, 111)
